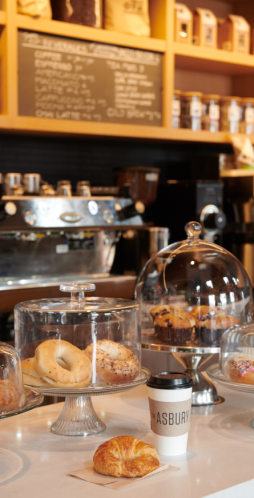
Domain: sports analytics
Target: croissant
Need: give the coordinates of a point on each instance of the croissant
(9, 396)
(125, 456)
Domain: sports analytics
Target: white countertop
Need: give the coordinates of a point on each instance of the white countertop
(219, 461)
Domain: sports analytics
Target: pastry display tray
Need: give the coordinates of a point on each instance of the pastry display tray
(217, 375)
(32, 399)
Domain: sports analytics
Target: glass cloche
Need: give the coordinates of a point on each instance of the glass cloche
(78, 342)
(11, 384)
(236, 361)
(191, 292)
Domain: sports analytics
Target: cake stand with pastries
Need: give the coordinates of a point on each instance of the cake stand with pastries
(235, 369)
(14, 397)
(79, 347)
(190, 293)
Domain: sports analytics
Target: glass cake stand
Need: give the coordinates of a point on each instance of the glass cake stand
(78, 417)
(192, 358)
(218, 376)
(32, 398)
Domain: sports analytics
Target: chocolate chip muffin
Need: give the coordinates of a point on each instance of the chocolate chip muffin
(175, 326)
(211, 323)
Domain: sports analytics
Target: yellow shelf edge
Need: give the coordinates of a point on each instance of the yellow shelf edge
(86, 33)
(215, 55)
(90, 128)
(234, 173)
(2, 18)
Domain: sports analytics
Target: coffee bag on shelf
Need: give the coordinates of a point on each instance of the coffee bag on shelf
(234, 34)
(35, 8)
(128, 17)
(85, 12)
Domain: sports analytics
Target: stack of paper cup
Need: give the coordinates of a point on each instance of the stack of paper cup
(170, 408)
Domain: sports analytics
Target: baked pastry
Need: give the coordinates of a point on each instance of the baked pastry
(211, 323)
(241, 369)
(159, 310)
(174, 327)
(10, 396)
(78, 368)
(125, 456)
(115, 364)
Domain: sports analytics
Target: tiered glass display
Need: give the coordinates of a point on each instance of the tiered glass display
(77, 347)
(14, 398)
(190, 293)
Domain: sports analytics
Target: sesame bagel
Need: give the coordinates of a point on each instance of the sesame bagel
(115, 364)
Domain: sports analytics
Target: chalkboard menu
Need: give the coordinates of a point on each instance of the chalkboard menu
(63, 78)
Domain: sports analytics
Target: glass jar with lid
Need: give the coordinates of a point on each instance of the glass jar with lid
(231, 114)
(78, 342)
(247, 122)
(211, 112)
(191, 110)
(191, 292)
(176, 110)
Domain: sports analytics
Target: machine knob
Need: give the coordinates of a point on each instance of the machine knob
(130, 211)
(108, 216)
(30, 218)
(212, 220)
(7, 209)
(216, 220)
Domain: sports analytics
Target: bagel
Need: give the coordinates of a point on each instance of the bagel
(115, 364)
(30, 376)
(125, 456)
(50, 356)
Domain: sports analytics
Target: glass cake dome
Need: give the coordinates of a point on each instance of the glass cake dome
(236, 361)
(77, 342)
(191, 292)
(11, 383)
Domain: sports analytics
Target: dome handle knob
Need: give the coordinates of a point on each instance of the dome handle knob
(77, 290)
(193, 230)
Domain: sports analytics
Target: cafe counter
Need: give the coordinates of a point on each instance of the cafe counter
(218, 463)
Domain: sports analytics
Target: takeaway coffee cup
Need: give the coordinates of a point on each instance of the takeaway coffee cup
(170, 407)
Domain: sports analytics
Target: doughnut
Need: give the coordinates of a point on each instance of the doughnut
(50, 356)
(241, 369)
(125, 456)
(30, 376)
(115, 364)
(10, 396)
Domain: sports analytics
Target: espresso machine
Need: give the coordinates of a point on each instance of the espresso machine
(179, 201)
(238, 235)
(50, 236)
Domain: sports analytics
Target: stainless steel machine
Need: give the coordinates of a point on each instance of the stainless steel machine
(49, 236)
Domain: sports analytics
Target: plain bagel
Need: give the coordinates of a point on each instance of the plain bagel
(115, 364)
(50, 355)
(30, 376)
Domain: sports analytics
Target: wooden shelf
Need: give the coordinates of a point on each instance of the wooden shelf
(89, 128)
(234, 173)
(212, 60)
(240, 68)
(86, 33)
(31, 125)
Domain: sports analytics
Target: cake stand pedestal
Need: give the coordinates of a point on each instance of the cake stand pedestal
(78, 417)
(192, 358)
